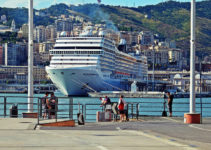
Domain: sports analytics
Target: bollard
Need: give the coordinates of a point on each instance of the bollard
(5, 107)
(14, 111)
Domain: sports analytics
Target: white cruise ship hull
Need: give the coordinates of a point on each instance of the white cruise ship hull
(81, 80)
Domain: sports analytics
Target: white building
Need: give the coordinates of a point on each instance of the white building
(183, 82)
(13, 26)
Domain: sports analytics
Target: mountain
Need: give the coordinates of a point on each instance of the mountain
(169, 19)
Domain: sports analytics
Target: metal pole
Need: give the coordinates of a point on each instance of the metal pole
(30, 58)
(70, 108)
(200, 92)
(153, 70)
(5, 107)
(192, 59)
(39, 102)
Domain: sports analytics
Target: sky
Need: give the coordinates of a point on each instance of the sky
(39, 4)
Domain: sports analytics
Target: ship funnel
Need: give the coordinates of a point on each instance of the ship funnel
(122, 45)
(87, 31)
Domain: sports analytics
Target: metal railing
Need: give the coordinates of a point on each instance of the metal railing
(67, 109)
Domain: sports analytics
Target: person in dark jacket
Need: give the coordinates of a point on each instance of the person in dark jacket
(53, 105)
(170, 102)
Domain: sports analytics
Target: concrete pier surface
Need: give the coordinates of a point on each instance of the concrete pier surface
(160, 133)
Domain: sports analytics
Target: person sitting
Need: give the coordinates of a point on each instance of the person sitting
(107, 103)
(102, 101)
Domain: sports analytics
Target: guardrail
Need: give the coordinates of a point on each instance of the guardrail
(67, 109)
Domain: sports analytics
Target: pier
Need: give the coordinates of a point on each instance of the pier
(146, 94)
(148, 130)
(147, 133)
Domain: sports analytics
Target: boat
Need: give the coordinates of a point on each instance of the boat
(93, 63)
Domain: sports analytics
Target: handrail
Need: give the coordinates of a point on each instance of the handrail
(67, 110)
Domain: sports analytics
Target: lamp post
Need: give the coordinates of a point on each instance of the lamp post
(192, 116)
(153, 69)
(30, 59)
(192, 60)
(200, 91)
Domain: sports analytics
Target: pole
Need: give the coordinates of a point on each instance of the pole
(192, 59)
(153, 70)
(200, 91)
(30, 58)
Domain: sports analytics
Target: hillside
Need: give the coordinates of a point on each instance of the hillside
(170, 19)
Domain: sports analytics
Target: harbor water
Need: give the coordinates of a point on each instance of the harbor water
(146, 106)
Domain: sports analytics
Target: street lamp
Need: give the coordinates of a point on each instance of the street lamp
(153, 69)
(30, 59)
(192, 116)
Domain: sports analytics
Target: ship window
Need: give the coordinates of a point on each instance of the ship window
(62, 73)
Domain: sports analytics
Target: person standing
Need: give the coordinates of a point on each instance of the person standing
(45, 106)
(53, 105)
(121, 106)
(170, 101)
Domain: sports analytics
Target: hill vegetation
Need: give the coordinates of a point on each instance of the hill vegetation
(169, 19)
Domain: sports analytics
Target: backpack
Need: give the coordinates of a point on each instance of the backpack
(121, 105)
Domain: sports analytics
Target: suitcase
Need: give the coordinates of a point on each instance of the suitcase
(100, 116)
(164, 114)
(80, 119)
(108, 116)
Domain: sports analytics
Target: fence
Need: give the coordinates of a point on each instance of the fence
(67, 109)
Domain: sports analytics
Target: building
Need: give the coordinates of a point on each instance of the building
(51, 33)
(146, 38)
(45, 57)
(174, 55)
(25, 30)
(157, 56)
(40, 34)
(3, 18)
(130, 37)
(22, 71)
(41, 14)
(64, 25)
(1, 56)
(15, 54)
(202, 82)
(4, 29)
(45, 46)
(13, 26)
(77, 29)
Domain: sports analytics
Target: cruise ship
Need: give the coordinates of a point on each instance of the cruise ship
(93, 63)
